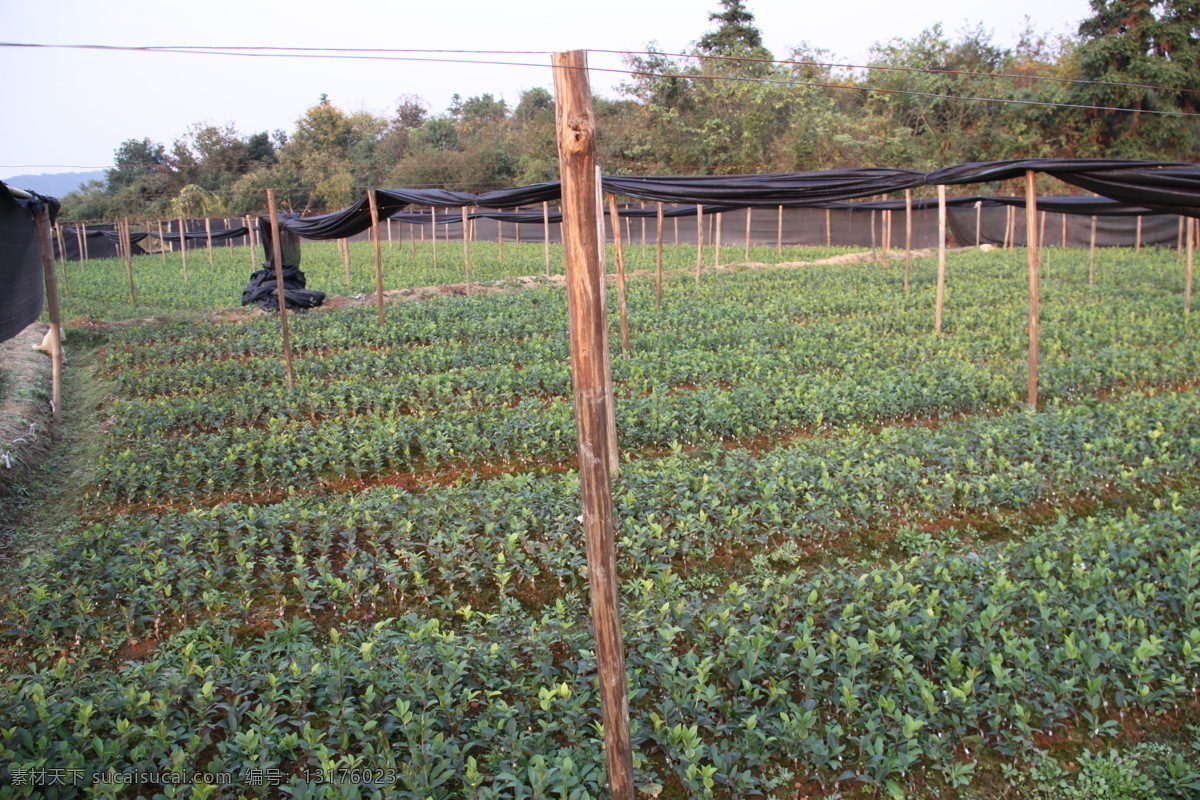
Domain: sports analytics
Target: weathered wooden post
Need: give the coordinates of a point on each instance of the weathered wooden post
(616, 228)
(1138, 247)
(277, 259)
(978, 223)
(208, 238)
(1187, 275)
(779, 235)
(42, 220)
(593, 399)
(1032, 249)
(717, 243)
(1092, 255)
(546, 233)
(828, 227)
(433, 233)
(183, 246)
(749, 211)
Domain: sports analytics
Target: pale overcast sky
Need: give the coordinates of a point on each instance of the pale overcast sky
(68, 110)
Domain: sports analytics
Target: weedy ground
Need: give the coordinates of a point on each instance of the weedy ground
(853, 563)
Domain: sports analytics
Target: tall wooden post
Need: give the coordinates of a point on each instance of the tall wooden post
(1064, 231)
(374, 202)
(1092, 255)
(124, 237)
(589, 355)
(675, 225)
(208, 238)
(277, 259)
(466, 226)
(828, 227)
(546, 233)
(941, 276)
(1032, 250)
(699, 240)
(56, 358)
(749, 210)
(907, 237)
(615, 219)
(658, 274)
(1138, 247)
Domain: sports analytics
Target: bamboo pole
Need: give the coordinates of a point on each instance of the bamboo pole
(48, 275)
(749, 210)
(699, 240)
(124, 237)
(277, 261)
(466, 225)
(658, 275)
(546, 233)
(593, 399)
(208, 238)
(941, 274)
(1092, 255)
(1032, 249)
(375, 238)
(907, 237)
(621, 304)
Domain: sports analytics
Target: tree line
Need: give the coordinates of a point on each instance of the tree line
(727, 105)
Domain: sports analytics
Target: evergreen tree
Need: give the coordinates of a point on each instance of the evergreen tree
(736, 33)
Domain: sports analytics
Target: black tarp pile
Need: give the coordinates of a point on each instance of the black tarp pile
(263, 286)
(21, 275)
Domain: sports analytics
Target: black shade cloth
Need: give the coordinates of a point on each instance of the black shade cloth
(262, 290)
(1166, 187)
(783, 188)
(21, 275)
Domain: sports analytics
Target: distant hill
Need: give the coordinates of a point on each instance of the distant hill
(55, 185)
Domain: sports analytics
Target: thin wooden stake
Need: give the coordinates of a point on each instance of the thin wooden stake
(828, 227)
(941, 276)
(615, 219)
(1179, 242)
(375, 238)
(874, 245)
(208, 237)
(978, 222)
(250, 239)
(346, 258)
(277, 259)
(124, 237)
(675, 221)
(658, 275)
(467, 247)
(500, 238)
(1032, 249)
(1045, 262)
(907, 237)
(779, 235)
(699, 240)
(183, 246)
(593, 399)
(433, 234)
(86, 249)
(749, 210)
(1064, 230)
(546, 233)
(48, 275)
(717, 243)
(1138, 247)
(1092, 255)
(1187, 275)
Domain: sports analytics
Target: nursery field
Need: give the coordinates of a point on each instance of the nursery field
(99, 288)
(851, 560)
